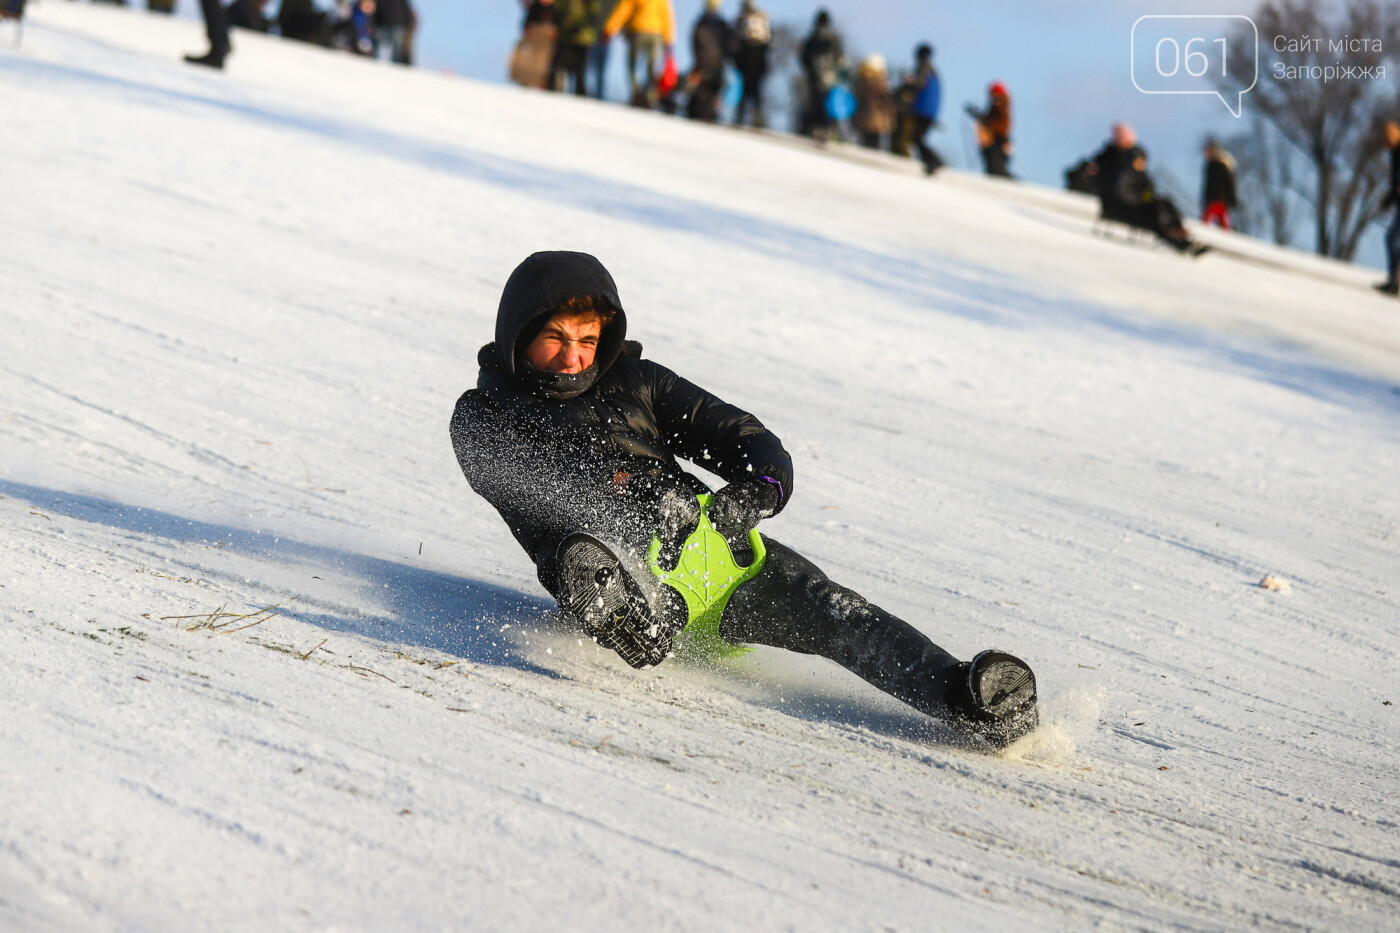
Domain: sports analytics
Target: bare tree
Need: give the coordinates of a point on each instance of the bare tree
(1319, 87)
(1269, 182)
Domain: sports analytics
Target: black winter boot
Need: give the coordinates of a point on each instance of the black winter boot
(210, 59)
(597, 591)
(995, 702)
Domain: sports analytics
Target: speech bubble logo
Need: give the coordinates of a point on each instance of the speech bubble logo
(1187, 54)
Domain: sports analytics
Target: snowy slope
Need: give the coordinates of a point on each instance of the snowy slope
(239, 308)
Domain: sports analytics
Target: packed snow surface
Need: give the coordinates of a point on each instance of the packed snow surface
(267, 663)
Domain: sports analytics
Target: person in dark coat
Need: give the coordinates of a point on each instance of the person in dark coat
(709, 42)
(392, 22)
(570, 429)
(752, 38)
(248, 14)
(993, 124)
(578, 33)
(1127, 195)
(216, 26)
(1218, 186)
(823, 61)
(1391, 135)
(12, 9)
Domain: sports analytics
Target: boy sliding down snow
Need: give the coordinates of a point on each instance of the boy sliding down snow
(574, 439)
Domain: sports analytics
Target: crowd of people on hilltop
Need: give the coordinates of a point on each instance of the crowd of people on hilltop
(565, 43)
(564, 46)
(374, 28)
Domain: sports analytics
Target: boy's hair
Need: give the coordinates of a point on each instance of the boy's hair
(588, 308)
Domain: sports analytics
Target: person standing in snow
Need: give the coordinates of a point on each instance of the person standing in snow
(823, 61)
(917, 102)
(650, 27)
(1391, 136)
(752, 37)
(875, 114)
(216, 26)
(392, 19)
(709, 41)
(578, 33)
(1218, 186)
(994, 130)
(1127, 195)
(570, 430)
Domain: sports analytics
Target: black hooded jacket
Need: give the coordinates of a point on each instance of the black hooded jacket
(555, 454)
(1219, 184)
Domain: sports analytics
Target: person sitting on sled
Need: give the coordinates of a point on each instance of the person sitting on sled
(574, 438)
(1127, 194)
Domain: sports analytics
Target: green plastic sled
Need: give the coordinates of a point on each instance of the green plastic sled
(706, 576)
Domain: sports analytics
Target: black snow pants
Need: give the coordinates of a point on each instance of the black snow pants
(750, 106)
(570, 64)
(1159, 217)
(793, 605)
(216, 25)
(927, 154)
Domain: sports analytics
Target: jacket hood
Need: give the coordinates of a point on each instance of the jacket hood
(542, 283)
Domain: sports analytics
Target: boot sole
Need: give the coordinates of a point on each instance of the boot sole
(1003, 693)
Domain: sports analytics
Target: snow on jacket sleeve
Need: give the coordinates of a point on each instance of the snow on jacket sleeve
(531, 477)
(711, 433)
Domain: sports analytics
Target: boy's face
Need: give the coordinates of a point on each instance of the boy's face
(1392, 134)
(567, 344)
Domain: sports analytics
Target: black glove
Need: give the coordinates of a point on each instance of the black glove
(677, 514)
(739, 507)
